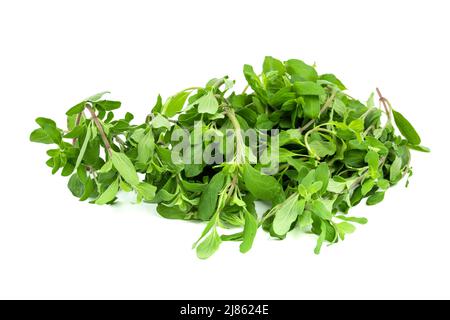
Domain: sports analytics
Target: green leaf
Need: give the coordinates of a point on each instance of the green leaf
(303, 191)
(89, 190)
(367, 186)
(383, 184)
(108, 105)
(262, 186)
(309, 178)
(377, 197)
(305, 220)
(125, 186)
(332, 78)
(300, 71)
(209, 245)
(125, 168)
(272, 64)
(146, 147)
(193, 186)
(75, 133)
(49, 126)
(372, 160)
(106, 167)
(377, 146)
(320, 210)
(395, 170)
(160, 122)
(311, 107)
(255, 83)
(146, 190)
(353, 219)
(287, 214)
(76, 109)
(322, 148)
(322, 174)
(339, 107)
(56, 163)
(83, 149)
(175, 104)
(357, 125)
(42, 122)
(308, 88)
(40, 136)
(208, 199)
(406, 128)
(158, 105)
(174, 212)
(208, 103)
(336, 186)
(97, 96)
(322, 236)
(76, 186)
(419, 148)
(67, 169)
(109, 194)
(315, 187)
(263, 122)
(239, 236)
(250, 228)
(344, 228)
(355, 158)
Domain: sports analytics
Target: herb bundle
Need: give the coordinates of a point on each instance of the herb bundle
(332, 151)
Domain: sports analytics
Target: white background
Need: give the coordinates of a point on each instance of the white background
(54, 53)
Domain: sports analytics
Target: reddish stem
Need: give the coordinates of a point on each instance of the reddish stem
(384, 102)
(100, 128)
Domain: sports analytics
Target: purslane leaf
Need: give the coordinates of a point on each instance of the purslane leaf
(96, 97)
(40, 136)
(322, 236)
(146, 190)
(209, 245)
(109, 194)
(377, 197)
(262, 186)
(76, 109)
(250, 228)
(208, 103)
(406, 128)
(108, 105)
(208, 199)
(300, 71)
(272, 64)
(49, 126)
(174, 104)
(287, 214)
(125, 168)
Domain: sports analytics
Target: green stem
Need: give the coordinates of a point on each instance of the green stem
(240, 155)
(316, 129)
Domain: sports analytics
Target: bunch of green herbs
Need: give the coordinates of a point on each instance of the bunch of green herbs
(333, 152)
